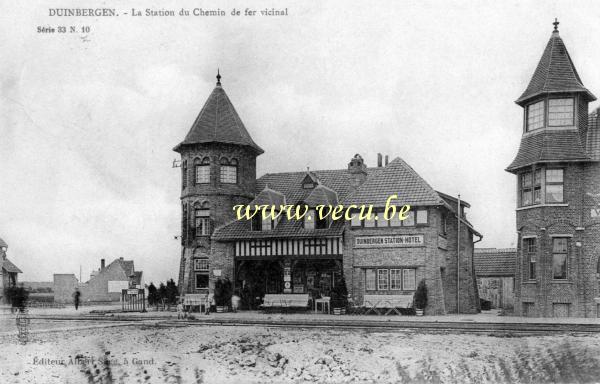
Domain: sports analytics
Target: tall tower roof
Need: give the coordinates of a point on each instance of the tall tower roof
(218, 122)
(555, 73)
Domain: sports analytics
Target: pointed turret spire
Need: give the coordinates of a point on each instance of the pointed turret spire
(218, 78)
(555, 72)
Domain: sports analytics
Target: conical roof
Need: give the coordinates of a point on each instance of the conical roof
(218, 122)
(555, 73)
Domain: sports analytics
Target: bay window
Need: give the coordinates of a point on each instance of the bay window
(554, 186)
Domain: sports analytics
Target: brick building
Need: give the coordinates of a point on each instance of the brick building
(558, 188)
(218, 162)
(9, 273)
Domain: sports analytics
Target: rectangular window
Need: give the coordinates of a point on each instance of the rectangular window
(535, 116)
(202, 174)
(370, 222)
(370, 280)
(537, 186)
(355, 222)
(309, 220)
(560, 112)
(410, 219)
(554, 186)
(201, 280)
(395, 221)
(526, 193)
(421, 216)
(200, 264)
(396, 279)
(202, 222)
(559, 258)
(228, 174)
(381, 221)
(530, 250)
(409, 279)
(382, 279)
(266, 224)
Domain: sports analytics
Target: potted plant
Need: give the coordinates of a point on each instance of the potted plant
(420, 299)
(339, 298)
(222, 295)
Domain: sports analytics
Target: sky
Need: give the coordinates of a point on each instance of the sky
(88, 121)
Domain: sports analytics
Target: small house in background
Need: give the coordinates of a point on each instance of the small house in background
(104, 285)
(8, 271)
(495, 271)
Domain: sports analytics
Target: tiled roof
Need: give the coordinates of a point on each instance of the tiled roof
(322, 195)
(8, 266)
(218, 122)
(592, 142)
(554, 73)
(240, 230)
(290, 183)
(495, 261)
(548, 145)
(397, 178)
(268, 197)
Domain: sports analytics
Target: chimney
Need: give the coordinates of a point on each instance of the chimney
(386, 159)
(102, 264)
(357, 170)
(379, 160)
(121, 258)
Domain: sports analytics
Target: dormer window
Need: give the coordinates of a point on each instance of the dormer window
(535, 116)
(202, 170)
(560, 112)
(229, 171)
(309, 219)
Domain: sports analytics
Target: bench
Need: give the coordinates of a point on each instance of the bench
(374, 303)
(296, 300)
(192, 300)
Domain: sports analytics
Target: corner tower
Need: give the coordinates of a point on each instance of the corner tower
(557, 249)
(218, 171)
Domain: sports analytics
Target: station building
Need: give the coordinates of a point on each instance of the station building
(557, 170)
(375, 256)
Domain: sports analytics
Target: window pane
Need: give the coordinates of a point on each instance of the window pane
(537, 195)
(409, 279)
(203, 174)
(381, 221)
(554, 176)
(370, 223)
(559, 266)
(355, 220)
(201, 264)
(201, 280)
(422, 216)
(410, 219)
(309, 220)
(554, 193)
(526, 200)
(370, 279)
(395, 221)
(531, 268)
(535, 116)
(395, 279)
(560, 112)
(537, 179)
(228, 174)
(266, 224)
(559, 245)
(382, 279)
(526, 180)
(529, 245)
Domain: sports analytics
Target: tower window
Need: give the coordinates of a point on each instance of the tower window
(202, 171)
(526, 193)
(537, 186)
(202, 220)
(559, 258)
(530, 250)
(554, 186)
(560, 112)
(535, 116)
(184, 171)
(229, 171)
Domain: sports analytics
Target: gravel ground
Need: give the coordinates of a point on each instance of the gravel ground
(217, 354)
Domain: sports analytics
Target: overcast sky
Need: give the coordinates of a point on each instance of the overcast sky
(87, 125)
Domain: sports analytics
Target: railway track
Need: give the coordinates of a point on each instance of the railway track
(492, 328)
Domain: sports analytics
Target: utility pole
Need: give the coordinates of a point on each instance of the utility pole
(458, 214)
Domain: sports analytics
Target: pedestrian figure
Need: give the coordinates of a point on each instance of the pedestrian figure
(235, 301)
(209, 302)
(180, 311)
(76, 296)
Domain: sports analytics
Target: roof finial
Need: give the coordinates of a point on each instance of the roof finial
(556, 24)
(218, 78)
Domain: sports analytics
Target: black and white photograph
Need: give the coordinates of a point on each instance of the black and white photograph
(293, 191)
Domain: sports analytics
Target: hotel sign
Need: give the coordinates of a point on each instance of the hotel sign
(391, 241)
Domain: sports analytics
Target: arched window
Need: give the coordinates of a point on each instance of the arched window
(202, 219)
(184, 171)
(202, 170)
(229, 170)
